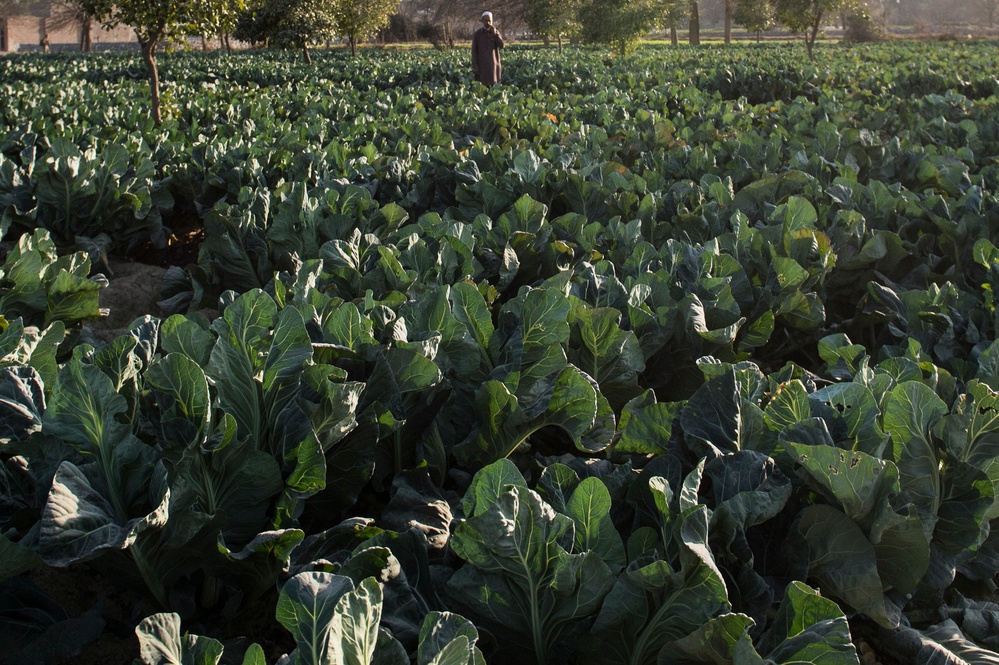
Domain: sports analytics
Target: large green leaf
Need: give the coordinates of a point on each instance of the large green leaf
(22, 403)
(646, 427)
(520, 576)
(844, 563)
(182, 335)
(856, 406)
(910, 412)
(448, 639)
(807, 629)
(237, 360)
(749, 486)
(545, 314)
(714, 642)
(589, 507)
(181, 388)
(940, 643)
(289, 350)
(72, 298)
(33, 347)
(711, 418)
(788, 405)
(652, 605)
(867, 490)
(84, 411)
(567, 400)
(332, 412)
(488, 485)
(162, 643)
(80, 522)
(610, 355)
(331, 620)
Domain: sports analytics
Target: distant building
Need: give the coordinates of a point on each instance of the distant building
(28, 29)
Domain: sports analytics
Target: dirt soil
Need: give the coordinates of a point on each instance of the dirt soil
(135, 281)
(133, 291)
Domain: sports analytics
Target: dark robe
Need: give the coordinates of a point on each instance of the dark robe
(486, 57)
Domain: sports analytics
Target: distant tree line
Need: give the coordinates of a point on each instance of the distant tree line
(297, 24)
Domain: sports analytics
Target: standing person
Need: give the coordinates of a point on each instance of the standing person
(486, 45)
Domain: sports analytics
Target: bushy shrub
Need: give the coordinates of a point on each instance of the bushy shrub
(860, 26)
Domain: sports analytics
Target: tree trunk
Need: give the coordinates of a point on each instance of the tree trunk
(86, 45)
(560, 43)
(4, 32)
(308, 57)
(674, 38)
(812, 34)
(204, 42)
(694, 31)
(149, 56)
(353, 46)
(729, 8)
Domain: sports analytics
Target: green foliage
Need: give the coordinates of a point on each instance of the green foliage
(527, 575)
(553, 19)
(153, 22)
(806, 16)
(101, 198)
(635, 360)
(40, 288)
(754, 15)
(357, 19)
(618, 22)
(287, 23)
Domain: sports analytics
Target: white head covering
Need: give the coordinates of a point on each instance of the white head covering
(485, 14)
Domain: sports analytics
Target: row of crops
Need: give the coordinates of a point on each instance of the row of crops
(685, 357)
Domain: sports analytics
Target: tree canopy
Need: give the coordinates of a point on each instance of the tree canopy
(154, 22)
(617, 22)
(754, 15)
(287, 23)
(357, 19)
(552, 19)
(805, 16)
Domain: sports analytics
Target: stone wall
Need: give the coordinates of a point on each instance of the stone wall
(24, 33)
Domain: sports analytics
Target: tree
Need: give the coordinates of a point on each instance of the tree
(552, 19)
(436, 21)
(357, 19)
(73, 13)
(754, 15)
(154, 22)
(617, 22)
(223, 22)
(729, 10)
(670, 14)
(694, 25)
(287, 24)
(805, 16)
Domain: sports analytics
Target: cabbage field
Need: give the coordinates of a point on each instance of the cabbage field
(683, 357)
